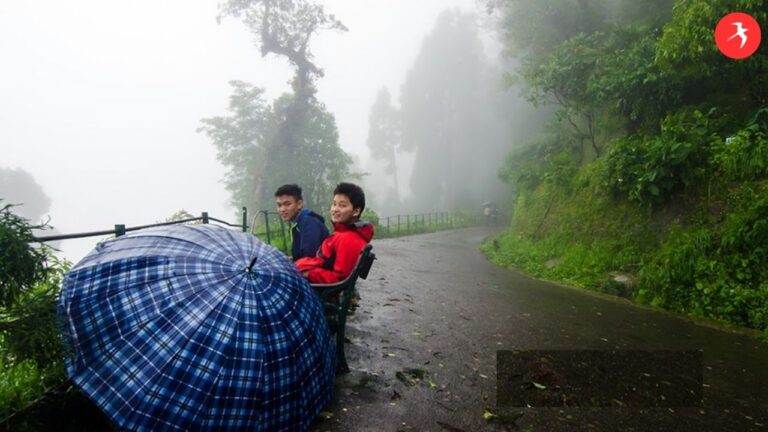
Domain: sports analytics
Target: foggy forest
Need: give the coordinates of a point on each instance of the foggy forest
(584, 180)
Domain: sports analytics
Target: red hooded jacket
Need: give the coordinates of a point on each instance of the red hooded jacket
(338, 253)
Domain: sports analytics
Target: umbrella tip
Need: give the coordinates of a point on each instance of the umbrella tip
(253, 261)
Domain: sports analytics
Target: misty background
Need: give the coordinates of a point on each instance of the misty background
(102, 102)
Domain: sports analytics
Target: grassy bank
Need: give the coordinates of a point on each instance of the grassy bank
(704, 254)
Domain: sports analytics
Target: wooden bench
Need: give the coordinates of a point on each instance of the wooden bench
(336, 299)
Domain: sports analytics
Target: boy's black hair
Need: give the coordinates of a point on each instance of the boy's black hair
(289, 189)
(354, 193)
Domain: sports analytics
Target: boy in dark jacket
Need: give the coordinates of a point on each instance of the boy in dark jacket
(307, 228)
(339, 252)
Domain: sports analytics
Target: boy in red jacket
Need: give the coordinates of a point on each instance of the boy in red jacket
(338, 253)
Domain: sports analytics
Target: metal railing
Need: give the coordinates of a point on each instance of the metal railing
(389, 226)
(268, 234)
(121, 229)
(270, 228)
(424, 222)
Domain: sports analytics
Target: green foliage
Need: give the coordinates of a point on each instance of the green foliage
(536, 28)
(21, 265)
(320, 163)
(249, 143)
(271, 229)
(31, 352)
(628, 82)
(687, 50)
(652, 169)
(679, 198)
(239, 140)
(744, 155)
(28, 328)
(571, 233)
(20, 384)
(687, 46)
(393, 226)
(293, 140)
(180, 216)
(370, 215)
(717, 272)
(551, 161)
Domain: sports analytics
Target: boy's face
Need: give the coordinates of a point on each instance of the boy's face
(288, 207)
(342, 211)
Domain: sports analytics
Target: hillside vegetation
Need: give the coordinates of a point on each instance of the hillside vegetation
(651, 180)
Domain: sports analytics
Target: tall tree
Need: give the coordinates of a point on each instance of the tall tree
(384, 137)
(593, 61)
(245, 142)
(449, 118)
(284, 28)
(240, 139)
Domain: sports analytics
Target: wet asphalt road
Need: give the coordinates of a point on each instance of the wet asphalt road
(433, 304)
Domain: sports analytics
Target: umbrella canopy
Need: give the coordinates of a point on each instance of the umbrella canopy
(196, 328)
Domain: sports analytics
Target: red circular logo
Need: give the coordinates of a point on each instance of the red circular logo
(737, 35)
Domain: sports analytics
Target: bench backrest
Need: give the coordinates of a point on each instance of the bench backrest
(362, 267)
(336, 297)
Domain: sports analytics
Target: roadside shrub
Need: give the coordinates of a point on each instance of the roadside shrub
(21, 265)
(31, 351)
(716, 273)
(743, 156)
(653, 169)
(370, 215)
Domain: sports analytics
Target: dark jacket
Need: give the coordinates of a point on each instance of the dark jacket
(308, 232)
(338, 254)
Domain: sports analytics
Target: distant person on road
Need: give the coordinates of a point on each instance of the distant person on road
(490, 212)
(338, 253)
(306, 228)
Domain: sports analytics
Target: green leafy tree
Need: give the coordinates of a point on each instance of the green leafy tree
(450, 119)
(593, 60)
(384, 137)
(29, 287)
(182, 215)
(320, 165)
(293, 140)
(285, 28)
(240, 140)
(687, 49)
(21, 265)
(246, 144)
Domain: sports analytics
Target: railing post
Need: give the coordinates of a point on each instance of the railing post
(266, 224)
(408, 223)
(388, 231)
(285, 237)
(119, 230)
(205, 217)
(245, 219)
(398, 224)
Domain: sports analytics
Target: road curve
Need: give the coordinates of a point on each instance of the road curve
(434, 313)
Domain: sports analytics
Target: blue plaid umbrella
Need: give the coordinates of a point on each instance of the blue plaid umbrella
(196, 328)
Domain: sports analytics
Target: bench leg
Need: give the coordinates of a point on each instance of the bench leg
(341, 358)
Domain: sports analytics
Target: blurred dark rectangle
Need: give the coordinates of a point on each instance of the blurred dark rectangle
(593, 378)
